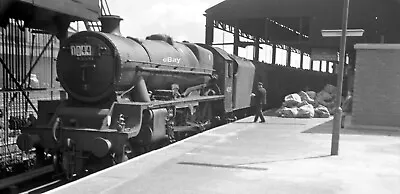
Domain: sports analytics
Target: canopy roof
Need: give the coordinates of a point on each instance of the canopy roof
(298, 23)
(47, 14)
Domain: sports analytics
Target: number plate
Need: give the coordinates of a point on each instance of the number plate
(81, 50)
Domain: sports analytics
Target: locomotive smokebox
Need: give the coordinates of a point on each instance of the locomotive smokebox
(110, 24)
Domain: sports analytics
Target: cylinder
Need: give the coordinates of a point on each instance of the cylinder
(148, 116)
(101, 147)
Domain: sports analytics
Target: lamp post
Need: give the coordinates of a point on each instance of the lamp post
(338, 112)
(343, 35)
(338, 109)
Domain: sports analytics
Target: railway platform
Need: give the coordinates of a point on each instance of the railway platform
(280, 156)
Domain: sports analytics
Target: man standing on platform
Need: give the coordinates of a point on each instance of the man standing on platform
(347, 107)
(261, 100)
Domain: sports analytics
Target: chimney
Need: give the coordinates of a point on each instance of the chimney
(110, 24)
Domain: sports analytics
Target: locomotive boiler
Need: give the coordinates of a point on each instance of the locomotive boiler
(127, 96)
(92, 66)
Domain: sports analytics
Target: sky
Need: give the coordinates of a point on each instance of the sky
(181, 19)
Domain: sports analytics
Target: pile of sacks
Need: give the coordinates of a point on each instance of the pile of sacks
(309, 104)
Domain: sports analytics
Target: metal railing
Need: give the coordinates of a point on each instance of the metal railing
(28, 69)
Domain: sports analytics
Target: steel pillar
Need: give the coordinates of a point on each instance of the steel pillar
(288, 56)
(274, 54)
(327, 66)
(301, 59)
(335, 68)
(256, 52)
(320, 66)
(236, 41)
(209, 31)
(311, 64)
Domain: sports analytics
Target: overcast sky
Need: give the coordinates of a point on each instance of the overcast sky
(181, 19)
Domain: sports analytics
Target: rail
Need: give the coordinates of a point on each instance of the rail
(7, 182)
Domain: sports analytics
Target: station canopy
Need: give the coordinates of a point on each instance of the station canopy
(298, 23)
(47, 14)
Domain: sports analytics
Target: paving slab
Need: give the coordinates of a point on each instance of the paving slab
(279, 156)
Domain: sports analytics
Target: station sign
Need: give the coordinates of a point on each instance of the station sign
(325, 54)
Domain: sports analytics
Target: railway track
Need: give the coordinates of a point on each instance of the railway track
(43, 187)
(36, 181)
(27, 181)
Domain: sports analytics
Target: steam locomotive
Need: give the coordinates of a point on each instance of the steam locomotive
(127, 96)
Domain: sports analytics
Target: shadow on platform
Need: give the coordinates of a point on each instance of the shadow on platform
(244, 166)
(238, 166)
(269, 123)
(326, 128)
(286, 160)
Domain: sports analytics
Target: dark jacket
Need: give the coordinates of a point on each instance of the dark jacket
(261, 96)
(348, 105)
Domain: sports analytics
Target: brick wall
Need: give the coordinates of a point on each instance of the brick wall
(377, 85)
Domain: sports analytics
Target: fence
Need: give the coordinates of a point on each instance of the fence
(27, 57)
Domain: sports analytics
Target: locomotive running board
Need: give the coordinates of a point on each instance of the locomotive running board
(179, 101)
(169, 71)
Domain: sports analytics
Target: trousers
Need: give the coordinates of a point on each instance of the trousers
(259, 114)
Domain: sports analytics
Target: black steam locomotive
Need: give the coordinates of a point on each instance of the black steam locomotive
(127, 96)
